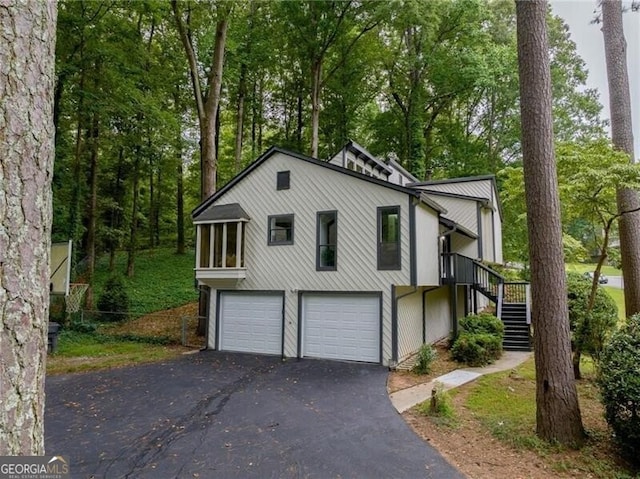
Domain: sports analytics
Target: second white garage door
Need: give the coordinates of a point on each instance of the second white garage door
(251, 322)
(341, 326)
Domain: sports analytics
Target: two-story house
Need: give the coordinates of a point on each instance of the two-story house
(349, 259)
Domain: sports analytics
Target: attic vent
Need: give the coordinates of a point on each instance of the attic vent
(283, 180)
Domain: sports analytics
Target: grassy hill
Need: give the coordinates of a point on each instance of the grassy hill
(162, 279)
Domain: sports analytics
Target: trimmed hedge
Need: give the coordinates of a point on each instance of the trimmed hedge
(479, 341)
(619, 383)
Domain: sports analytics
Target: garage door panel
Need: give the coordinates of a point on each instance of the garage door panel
(251, 322)
(345, 326)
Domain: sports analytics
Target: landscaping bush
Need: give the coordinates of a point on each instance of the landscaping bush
(114, 301)
(619, 382)
(590, 331)
(426, 355)
(479, 341)
(482, 323)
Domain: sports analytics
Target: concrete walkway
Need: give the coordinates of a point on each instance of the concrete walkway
(409, 397)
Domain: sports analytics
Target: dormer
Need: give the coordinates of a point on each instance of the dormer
(220, 243)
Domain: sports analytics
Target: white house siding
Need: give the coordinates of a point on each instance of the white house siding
(481, 188)
(488, 249)
(464, 245)
(462, 211)
(437, 314)
(292, 268)
(427, 230)
(410, 320)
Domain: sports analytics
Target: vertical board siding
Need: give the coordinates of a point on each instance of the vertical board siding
(293, 267)
(437, 315)
(410, 320)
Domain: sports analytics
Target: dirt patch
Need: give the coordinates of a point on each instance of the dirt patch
(399, 380)
(164, 324)
(472, 448)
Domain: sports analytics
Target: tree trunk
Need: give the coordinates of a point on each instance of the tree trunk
(93, 208)
(615, 48)
(558, 414)
(180, 202)
(133, 231)
(316, 78)
(27, 52)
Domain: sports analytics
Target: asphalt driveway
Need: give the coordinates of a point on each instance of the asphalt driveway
(220, 415)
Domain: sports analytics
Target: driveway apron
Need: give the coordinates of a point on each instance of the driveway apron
(223, 415)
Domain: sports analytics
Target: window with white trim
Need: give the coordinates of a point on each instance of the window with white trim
(221, 244)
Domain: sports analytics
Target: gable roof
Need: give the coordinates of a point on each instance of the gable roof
(398, 167)
(416, 193)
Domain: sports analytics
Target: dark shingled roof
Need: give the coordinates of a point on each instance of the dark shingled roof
(223, 212)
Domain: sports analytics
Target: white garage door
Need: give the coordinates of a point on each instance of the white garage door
(342, 326)
(251, 322)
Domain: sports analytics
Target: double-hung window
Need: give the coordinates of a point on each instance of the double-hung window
(389, 238)
(327, 241)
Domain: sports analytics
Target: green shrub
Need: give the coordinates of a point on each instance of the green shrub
(86, 327)
(114, 301)
(482, 323)
(426, 355)
(590, 331)
(479, 341)
(619, 382)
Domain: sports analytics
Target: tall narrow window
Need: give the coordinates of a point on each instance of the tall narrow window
(218, 237)
(327, 241)
(205, 246)
(389, 238)
(280, 230)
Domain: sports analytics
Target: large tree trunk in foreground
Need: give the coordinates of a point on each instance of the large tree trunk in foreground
(615, 48)
(27, 49)
(558, 414)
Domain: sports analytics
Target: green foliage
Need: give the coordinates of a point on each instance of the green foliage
(427, 354)
(439, 406)
(591, 330)
(163, 279)
(482, 323)
(479, 341)
(619, 383)
(114, 301)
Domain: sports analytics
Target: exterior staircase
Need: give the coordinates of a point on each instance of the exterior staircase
(517, 335)
(511, 298)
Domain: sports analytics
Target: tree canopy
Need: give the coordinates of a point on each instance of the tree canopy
(431, 84)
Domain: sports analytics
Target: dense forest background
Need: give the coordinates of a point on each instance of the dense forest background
(432, 84)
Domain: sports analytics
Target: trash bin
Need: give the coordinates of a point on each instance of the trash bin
(52, 342)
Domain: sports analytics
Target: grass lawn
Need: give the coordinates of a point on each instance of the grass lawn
(590, 267)
(502, 407)
(79, 352)
(618, 296)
